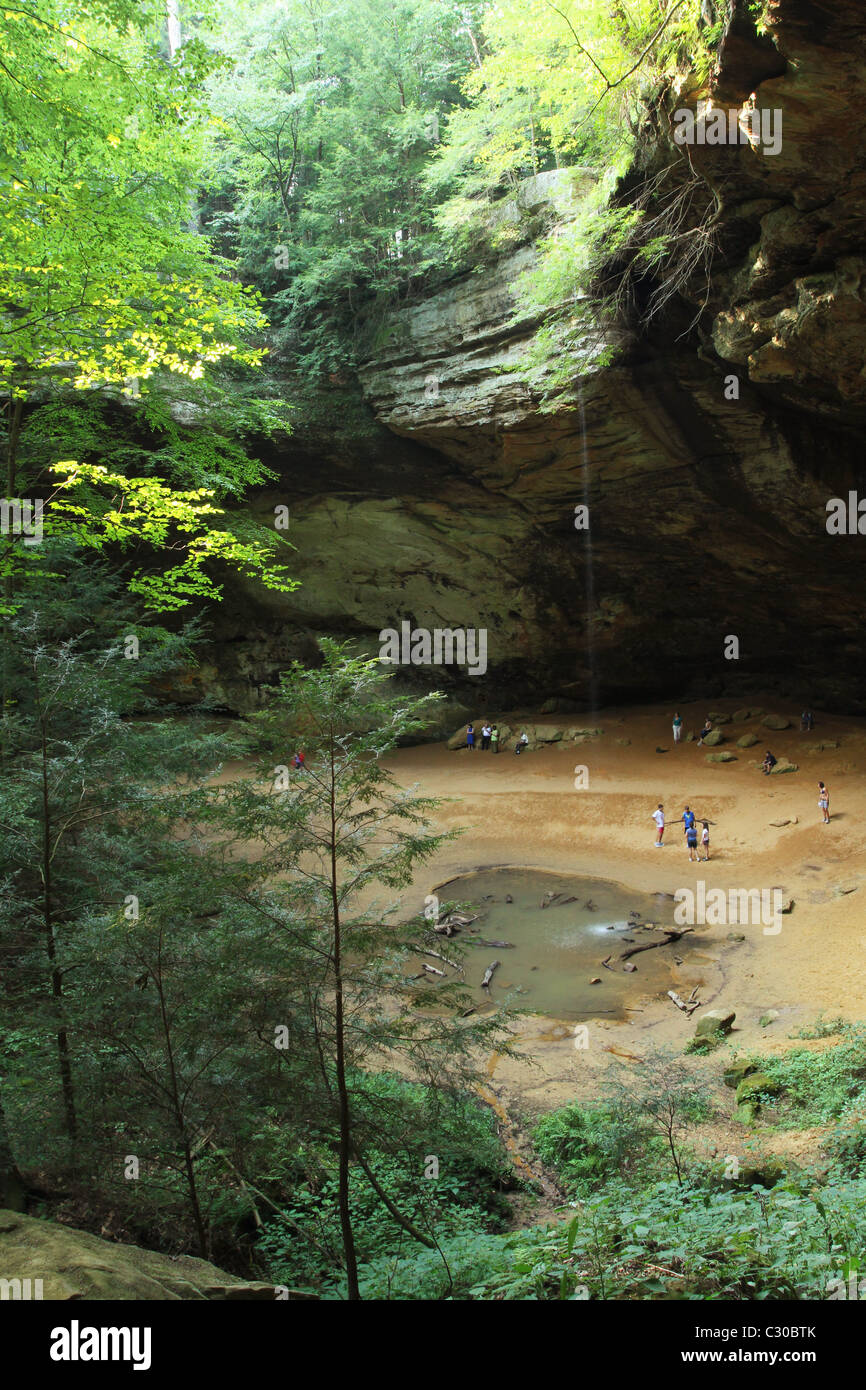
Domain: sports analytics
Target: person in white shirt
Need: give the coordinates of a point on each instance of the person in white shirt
(659, 818)
(521, 742)
(485, 736)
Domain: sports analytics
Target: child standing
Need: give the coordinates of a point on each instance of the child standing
(824, 802)
(705, 840)
(659, 818)
(692, 842)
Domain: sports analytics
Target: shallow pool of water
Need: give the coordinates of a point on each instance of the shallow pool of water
(556, 950)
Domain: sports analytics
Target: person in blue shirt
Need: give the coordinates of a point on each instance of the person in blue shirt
(688, 819)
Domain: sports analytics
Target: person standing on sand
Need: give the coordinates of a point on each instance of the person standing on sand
(824, 802)
(659, 818)
(470, 737)
(485, 737)
(692, 842)
(688, 819)
(494, 738)
(678, 727)
(705, 840)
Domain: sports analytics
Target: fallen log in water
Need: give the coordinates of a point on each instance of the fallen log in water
(488, 974)
(483, 941)
(670, 934)
(455, 965)
(433, 970)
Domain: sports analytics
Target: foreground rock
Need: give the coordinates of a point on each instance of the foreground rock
(715, 1021)
(74, 1265)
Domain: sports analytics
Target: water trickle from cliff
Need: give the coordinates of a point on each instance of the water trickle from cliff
(589, 570)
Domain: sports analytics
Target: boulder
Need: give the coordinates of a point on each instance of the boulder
(715, 1021)
(582, 735)
(458, 740)
(765, 1172)
(769, 1017)
(624, 742)
(714, 737)
(747, 1112)
(741, 715)
(545, 733)
(77, 1266)
(737, 1071)
(754, 1086)
(775, 721)
(719, 718)
(747, 741)
(783, 767)
(722, 757)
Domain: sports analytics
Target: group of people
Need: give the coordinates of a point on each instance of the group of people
(690, 832)
(490, 739)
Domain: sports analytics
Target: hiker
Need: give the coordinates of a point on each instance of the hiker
(692, 842)
(298, 760)
(521, 742)
(688, 820)
(659, 818)
(806, 721)
(486, 731)
(705, 840)
(494, 738)
(769, 763)
(678, 727)
(707, 729)
(824, 802)
(470, 737)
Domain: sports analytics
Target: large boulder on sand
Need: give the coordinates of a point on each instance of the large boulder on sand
(783, 767)
(715, 1021)
(775, 721)
(747, 741)
(722, 757)
(713, 737)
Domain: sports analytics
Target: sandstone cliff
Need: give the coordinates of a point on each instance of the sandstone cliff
(707, 513)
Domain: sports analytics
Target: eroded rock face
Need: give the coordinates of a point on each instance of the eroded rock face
(707, 513)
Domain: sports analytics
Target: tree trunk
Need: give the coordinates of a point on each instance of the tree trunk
(342, 1089)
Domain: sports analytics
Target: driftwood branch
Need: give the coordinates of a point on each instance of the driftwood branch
(670, 934)
(488, 974)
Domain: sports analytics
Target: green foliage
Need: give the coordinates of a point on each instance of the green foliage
(589, 1146)
(325, 122)
(302, 1249)
(819, 1087)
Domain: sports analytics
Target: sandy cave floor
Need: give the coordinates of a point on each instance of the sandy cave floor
(526, 811)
